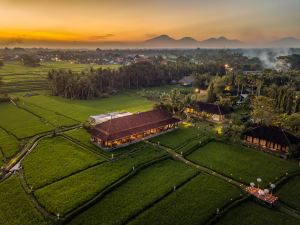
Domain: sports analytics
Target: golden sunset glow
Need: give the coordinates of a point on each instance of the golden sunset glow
(137, 20)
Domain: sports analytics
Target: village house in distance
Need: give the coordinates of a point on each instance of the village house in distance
(209, 111)
(118, 130)
(272, 139)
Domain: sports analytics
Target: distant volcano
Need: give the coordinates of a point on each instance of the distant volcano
(165, 41)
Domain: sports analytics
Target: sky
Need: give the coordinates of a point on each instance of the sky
(138, 20)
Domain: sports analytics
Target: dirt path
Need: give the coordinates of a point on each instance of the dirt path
(179, 157)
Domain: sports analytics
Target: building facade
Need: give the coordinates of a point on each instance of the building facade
(209, 111)
(119, 132)
(270, 138)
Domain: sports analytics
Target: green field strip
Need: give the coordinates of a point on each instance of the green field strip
(144, 185)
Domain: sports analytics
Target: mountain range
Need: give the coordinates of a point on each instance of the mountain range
(165, 41)
(161, 41)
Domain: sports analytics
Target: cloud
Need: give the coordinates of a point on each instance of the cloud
(11, 41)
(100, 37)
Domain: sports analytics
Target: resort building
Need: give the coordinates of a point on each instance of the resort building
(122, 131)
(97, 119)
(209, 111)
(270, 138)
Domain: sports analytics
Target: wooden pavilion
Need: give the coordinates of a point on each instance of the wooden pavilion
(213, 112)
(119, 132)
(270, 138)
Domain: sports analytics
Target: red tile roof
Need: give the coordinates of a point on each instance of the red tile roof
(128, 125)
(212, 108)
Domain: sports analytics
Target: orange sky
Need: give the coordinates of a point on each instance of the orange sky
(136, 20)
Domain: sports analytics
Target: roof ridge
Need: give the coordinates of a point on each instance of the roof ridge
(219, 109)
(287, 139)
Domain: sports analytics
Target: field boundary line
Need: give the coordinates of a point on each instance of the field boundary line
(55, 112)
(204, 169)
(47, 215)
(106, 190)
(161, 198)
(83, 146)
(30, 145)
(10, 133)
(286, 209)
(227, 208)
(70, 175)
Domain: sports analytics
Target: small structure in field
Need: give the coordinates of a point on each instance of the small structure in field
(262, 195)
(187, 81)
(270, 138)
(122, 131)
(97, 119)
(209, 111)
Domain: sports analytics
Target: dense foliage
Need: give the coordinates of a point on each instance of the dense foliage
(92, 83)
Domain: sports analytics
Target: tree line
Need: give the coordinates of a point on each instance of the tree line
(99, 82)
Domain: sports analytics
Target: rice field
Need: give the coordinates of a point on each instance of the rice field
(15, 206)
(250, 213)
(136, 194)
(67, 194)
(20, 122)
(80, 110)
(9, 145)
(241, 163)
(183, 135)
(50, 117)
(54, 159)
(20, 78)
(289, 193)
(194, 203)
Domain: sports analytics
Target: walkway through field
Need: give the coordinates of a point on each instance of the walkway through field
(281, 206)
(179, 157)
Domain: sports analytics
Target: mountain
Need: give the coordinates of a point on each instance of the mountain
(287, 42)
(160, 41)
(165, 41)
(221, 42)
(188, 41)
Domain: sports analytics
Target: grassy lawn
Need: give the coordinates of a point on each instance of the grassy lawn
(19, 78)
(141, 190)
(74, 190)
(290, 193)
(51, 117)
(83, 137)
(182, 135)
(82, 109)
(250, 213)
(9, 144)
(55, 158)
(241, 163)
(194, 203)
(15, 206)
(20, 122)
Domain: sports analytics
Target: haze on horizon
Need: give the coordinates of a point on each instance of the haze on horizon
(93, 21)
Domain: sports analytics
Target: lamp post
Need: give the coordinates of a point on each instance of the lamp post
(258, 181)
(272, 187)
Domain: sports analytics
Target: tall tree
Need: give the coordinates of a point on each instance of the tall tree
(262, 110)
(211, 95)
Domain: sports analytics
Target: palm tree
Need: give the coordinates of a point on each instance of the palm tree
(238, 81)
(258, 82)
